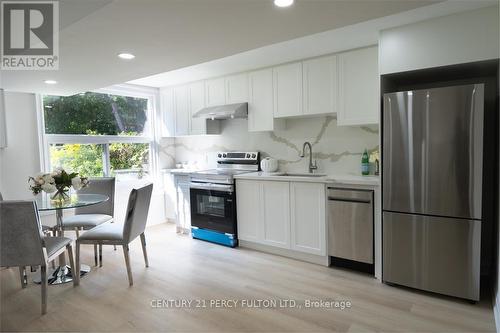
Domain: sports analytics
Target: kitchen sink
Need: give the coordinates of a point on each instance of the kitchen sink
(290, 174)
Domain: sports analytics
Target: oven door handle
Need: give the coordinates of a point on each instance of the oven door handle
(212, 187)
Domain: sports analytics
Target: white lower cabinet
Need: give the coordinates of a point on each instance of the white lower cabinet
(275, 207)
(289, 215)
(248, 210)
(183, 211)
(308, 217)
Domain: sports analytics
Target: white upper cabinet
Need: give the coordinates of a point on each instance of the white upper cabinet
(320, 85)
(181, 107)
(287, 85)
(215, 92)
(359, 87)
(167, 112)
(236, 88)
(196, 93)
(308, 217)
(260, 100)
(346, 83)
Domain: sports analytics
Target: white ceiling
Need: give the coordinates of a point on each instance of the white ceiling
(167, 35)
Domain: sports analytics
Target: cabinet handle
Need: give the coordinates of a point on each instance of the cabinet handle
(349, 200)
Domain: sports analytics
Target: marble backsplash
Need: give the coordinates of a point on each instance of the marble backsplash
(337, 149)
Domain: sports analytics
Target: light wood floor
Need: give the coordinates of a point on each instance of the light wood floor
(182, 268)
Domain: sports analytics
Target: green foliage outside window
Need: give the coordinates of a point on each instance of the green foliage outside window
(100, 113)
(84, 159)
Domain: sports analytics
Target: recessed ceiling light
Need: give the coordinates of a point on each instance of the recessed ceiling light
(283, 3)
(126, 56)
(50, 81)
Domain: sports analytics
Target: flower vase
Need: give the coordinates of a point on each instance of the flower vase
(61, 195)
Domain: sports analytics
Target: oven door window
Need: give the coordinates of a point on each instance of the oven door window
(211, 205)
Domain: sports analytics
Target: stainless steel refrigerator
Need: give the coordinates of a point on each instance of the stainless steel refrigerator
(432, 189)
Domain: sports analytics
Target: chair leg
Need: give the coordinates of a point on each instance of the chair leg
(143, 241)
(74, 273)
(77, 265)
(22, 274)
(95, 255)
(43, 275)
(77, 232)
(127, 263)
(100, 255)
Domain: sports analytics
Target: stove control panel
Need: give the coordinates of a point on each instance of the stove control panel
(238, 156)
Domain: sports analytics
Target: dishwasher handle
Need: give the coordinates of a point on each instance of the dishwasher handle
(349, 200)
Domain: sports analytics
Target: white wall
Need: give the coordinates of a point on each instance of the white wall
(460, 38)
(20, 159)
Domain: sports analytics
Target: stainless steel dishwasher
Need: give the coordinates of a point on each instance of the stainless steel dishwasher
(350, 224)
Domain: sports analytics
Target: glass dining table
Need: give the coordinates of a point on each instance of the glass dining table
(62, 273)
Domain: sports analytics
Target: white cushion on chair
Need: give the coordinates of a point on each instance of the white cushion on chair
(106, 231)
(86, 221)
(54, 244)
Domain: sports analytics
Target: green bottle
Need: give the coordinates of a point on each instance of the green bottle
(365, 164)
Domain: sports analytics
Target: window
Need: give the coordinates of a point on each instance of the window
(104, 133)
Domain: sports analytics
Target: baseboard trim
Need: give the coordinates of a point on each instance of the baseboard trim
(314, 259)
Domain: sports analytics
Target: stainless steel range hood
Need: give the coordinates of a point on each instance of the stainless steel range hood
(228, 111)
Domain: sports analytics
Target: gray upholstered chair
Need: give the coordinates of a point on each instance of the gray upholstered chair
(122, 234)
(86, 218)
(23, 243)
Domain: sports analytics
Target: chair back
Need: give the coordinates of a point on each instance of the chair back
(101, 185)
(21, 236)
(137, 212)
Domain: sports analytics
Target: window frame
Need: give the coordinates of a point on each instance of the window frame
(151, 137)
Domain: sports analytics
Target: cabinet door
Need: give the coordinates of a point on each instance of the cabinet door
(308, 217)
(260, 101)
(287, 85)
(236, 88)
(248, 209)
(214, 92)
(196, 103)
(359, 97)
(167, 112)
(320, 85)
(276, 213)
(181, 106)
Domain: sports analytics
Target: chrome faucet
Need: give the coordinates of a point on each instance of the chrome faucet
(312, 166)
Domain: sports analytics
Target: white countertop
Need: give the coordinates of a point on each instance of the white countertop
(334, 179)
(180, 171)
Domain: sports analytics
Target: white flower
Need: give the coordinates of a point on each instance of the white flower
(32, 182)
(77, 183)
(57, 171)
(49, 188)
(47, 178)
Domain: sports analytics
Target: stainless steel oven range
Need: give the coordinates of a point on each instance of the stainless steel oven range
(213, 197)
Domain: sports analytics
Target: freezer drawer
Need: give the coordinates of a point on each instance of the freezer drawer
(436, 254)
(350, 229)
